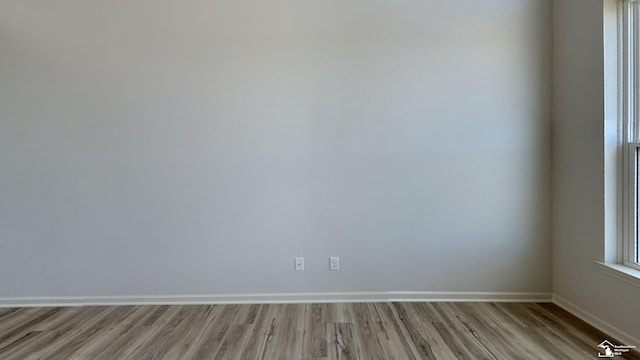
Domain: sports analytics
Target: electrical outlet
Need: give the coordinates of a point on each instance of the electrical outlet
(299, 264)
(334, 263)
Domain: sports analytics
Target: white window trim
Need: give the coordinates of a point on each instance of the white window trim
(630, 196)
(628, 52)
(621, 272)
(618, 151)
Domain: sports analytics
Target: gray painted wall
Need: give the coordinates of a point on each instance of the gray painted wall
(578, 169)
(196, 147)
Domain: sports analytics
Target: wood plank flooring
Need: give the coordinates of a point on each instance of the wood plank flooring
(299, 331)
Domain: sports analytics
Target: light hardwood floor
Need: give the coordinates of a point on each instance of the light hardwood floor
(299, 331)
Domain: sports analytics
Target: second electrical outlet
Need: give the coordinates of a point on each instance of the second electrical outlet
(334, 263)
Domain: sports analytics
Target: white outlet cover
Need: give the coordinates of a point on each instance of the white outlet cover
(298, 264)
(334, 263)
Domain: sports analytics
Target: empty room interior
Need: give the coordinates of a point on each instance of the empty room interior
(335, 179)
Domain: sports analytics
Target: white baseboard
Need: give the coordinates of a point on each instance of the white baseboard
(598, 323)
(284, 298)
